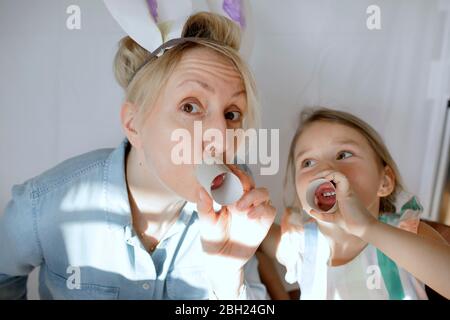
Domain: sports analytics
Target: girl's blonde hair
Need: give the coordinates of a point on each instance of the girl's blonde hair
(143, 75)
(308, 116)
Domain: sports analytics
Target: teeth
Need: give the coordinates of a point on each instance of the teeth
(329, 194)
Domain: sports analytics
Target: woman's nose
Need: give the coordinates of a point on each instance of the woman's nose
(215, 140)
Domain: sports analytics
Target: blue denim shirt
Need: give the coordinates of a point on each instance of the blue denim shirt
(74, 221)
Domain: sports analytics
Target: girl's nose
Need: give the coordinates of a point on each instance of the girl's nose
(324, 168)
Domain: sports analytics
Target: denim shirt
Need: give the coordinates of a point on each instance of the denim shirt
(74, 221)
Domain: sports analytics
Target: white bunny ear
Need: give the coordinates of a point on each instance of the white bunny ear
(232, 9)
(153, 22)
(238, 11)
(172, 15)
(136, 20)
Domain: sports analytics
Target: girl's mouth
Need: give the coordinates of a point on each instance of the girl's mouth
(218, 181)
(325, 196)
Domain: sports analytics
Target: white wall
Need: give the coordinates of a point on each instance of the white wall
(320, 53)
(58, 97)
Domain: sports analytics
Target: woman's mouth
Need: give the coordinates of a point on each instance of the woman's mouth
(325, 196)
(218, 181)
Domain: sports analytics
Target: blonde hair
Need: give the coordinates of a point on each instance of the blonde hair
(387, 204)
(143, 76)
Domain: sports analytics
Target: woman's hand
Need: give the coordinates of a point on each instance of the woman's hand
(352, 215)
(231, 236)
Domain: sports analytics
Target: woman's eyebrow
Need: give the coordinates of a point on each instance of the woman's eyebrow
(207, 87)
(204, 85)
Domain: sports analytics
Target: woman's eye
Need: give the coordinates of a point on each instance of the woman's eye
(344, 155)
(233, 115)
(308, 163)
(190, 107)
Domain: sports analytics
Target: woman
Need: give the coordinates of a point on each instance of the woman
(121, 224)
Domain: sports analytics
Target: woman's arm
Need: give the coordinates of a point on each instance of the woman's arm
(231, 236)
(19, 249)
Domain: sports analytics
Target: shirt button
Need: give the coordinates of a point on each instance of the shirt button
(145, 286)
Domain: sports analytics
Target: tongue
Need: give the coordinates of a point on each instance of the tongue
(218, 181)
(325, 203)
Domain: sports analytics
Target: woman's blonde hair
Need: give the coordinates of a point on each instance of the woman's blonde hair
(143, 75)
(308, 116)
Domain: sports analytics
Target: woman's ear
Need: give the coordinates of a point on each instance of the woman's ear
(387, 184)
(128, 117)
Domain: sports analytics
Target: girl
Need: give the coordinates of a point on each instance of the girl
(122, 224)
(374, 246)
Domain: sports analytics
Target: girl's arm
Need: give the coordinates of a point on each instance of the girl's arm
(270, 277)
(424, 255)
(270, 243)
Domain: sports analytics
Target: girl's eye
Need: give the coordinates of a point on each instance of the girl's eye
(190, 107)
(233, 115)
(308, 163)
(344, 155)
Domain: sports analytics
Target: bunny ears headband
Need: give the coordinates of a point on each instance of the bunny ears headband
(157, 24)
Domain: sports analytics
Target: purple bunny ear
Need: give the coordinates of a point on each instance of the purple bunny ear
(234, 10)
(153, 6)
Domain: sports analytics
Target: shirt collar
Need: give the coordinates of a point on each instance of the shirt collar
(186, 218)
(117, 205)
(187, 215)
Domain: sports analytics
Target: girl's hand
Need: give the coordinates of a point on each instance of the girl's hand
(231, 236)
(352, 215)
(424, 257)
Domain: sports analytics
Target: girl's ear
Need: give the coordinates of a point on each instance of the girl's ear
(128, 117)
(387, 184)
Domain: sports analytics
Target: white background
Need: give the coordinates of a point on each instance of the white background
(58, 97)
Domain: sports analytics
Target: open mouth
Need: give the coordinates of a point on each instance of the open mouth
(325, 196)
(218, 181)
